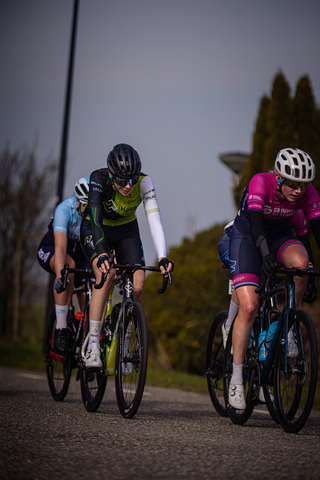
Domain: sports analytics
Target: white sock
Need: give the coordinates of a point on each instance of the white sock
(61, 316)
(233, 311)
(95, 329)
(236, 378)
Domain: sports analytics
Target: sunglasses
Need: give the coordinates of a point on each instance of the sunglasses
(295, 185)
(123, 182)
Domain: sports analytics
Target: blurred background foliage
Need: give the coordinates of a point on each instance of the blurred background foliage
(179, 320)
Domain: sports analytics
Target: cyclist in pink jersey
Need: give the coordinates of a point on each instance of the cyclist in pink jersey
(299, 223)
(262, 238)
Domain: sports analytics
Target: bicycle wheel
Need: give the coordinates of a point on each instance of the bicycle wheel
(58, 376)
(93, 382)
(269, 395)
(295, 389)
(251, 373)
(214, 363)
(131, 372)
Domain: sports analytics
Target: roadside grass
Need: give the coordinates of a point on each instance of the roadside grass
(29, 356)
(27, 353)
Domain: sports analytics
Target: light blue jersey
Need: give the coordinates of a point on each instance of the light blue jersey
(67, 219)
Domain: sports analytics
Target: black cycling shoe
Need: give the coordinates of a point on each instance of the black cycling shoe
(60, 340)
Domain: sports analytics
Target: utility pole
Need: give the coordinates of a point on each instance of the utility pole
(63, 151)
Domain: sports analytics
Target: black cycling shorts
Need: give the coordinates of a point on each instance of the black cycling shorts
(123, 239)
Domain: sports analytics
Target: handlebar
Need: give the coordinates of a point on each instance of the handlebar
(133, 268)
(290, 273)
(66, 270)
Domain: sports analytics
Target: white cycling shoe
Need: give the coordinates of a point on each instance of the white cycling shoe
(93, 359)
(292, 345)
(236, 397)
(126, 367)
(261, 395)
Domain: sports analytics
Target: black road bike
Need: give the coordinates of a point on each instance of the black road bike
(288, 382)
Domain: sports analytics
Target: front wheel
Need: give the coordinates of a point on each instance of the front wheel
(93, 383)
(214, 363)
(58, 376)
(131, 365)
(296, 376)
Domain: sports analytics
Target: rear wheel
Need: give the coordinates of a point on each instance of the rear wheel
(131, 372)
(214, 363)
(295, 388)
(93, 382)
(251, 374)
(58, 376)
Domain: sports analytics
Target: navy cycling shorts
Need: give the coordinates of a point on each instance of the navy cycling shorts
(46, 252)
(244, 259)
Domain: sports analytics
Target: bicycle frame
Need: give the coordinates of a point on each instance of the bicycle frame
(289, 288)
(127, 297)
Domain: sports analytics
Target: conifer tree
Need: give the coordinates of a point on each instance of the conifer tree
(307, 126)
(260, 136)
(280, 121)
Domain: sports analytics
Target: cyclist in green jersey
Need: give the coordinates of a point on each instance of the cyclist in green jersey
(110, 225)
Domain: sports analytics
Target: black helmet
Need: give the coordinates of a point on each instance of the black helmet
(123, 161)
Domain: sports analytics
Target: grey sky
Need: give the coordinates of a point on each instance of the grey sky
(180, 80)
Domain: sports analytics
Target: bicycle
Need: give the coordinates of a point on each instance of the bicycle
(215, 354)
(293, 379)
(60, 366)
(123, 346)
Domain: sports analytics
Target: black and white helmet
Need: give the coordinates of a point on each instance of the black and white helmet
(81, 189)
(124, 162)
(295, 164)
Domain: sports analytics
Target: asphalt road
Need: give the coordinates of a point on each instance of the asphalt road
(174, 435)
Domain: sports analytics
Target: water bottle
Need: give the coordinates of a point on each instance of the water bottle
(270, 334)
(262, 346)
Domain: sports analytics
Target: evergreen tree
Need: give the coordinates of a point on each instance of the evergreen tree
(307, 126)
(260, 136)
(280, 122)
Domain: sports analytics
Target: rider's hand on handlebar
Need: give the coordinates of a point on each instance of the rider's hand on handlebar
(166, 266)
(59, 286)
(269, 266)
(105, 262)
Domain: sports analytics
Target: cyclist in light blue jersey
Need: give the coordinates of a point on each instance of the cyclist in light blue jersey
(61, 245)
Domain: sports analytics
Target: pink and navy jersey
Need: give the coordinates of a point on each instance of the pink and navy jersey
(261, 195)
(299, 223)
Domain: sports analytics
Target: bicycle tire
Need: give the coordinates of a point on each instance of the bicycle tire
(58, 377)
(131, 373)
(239, 417)
(295, 390)
(214, 363)
(93, 383)
(271, 403)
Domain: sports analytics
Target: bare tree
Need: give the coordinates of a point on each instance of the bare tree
(26, 196)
